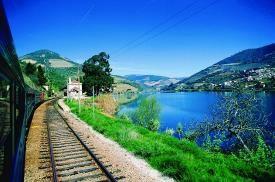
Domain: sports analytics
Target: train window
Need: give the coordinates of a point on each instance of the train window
(5, 123)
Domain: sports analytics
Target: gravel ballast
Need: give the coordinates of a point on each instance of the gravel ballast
(131, 167)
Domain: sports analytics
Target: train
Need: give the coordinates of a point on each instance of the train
(17, 104)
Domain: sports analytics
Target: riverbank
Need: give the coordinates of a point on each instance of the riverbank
(212, 90)
(180, 159)
(125, 98)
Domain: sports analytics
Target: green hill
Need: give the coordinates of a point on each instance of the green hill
(57, 68)
(249, 68)
(49, 59)
(122, 84)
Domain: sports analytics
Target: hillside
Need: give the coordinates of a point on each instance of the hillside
(48, 58)
(152, 81)
(122, 84)
(125, 90)
(58, 68)
(249, 68)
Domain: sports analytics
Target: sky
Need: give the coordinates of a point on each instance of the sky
(174, 38)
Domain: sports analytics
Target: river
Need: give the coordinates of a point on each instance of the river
(191, 108)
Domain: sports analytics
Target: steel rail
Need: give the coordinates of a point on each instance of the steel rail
(55, 178)
(101, 166)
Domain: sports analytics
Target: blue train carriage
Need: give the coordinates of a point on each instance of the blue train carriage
(17, 103)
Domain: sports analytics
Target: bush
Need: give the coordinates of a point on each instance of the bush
(262, 156)
(179, 130)
(124, 117)
(107, 103)
(169, 131)
(147, 114)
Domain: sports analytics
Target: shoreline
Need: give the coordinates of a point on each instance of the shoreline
(196, 90)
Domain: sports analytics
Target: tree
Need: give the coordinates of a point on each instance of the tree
(147, 114)
(41, 76)
(30, 69)
(97, 74)
(238, 116)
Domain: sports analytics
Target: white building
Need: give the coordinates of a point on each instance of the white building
(249, 78)
(227, 84)
(74, 89)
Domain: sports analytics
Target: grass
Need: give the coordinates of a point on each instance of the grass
(182, 160)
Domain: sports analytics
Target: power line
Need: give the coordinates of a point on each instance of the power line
(170, 27)
(157, 26)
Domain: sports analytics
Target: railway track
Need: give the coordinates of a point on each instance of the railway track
(68, 156)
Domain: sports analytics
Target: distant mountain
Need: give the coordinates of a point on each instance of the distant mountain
(48, 58)
(59, 68)
(122, 85)
(249, 68)
(152, 81)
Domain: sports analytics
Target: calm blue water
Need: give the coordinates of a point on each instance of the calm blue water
(190, 108)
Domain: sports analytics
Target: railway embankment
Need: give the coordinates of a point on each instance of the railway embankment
(52, 138)
(130, 166)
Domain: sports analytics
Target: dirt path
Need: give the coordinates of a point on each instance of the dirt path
(133, 168)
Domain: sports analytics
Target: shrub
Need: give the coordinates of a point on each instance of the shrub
(169, 131)
(107, 103)
(124, 117)
(147, 114)
(262, 156)
(179, 130)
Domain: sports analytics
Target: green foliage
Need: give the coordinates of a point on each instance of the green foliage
(147, 114)
(29, 81)
(212, 143)
(50, 92)
(153, 125)
(262, 156)
(58, 77)
(41, 76)
(239, 116)
(179, 130)
(180, 159)
(125, 117)
(169, 131)
(30, 69)
(97, 74)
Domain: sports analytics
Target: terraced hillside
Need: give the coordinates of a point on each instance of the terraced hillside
(249, 68)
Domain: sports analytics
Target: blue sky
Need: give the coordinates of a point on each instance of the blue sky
(189, 35)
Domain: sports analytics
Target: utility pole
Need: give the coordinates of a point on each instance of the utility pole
(47, 76)
(93, 102)
(79, 109)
